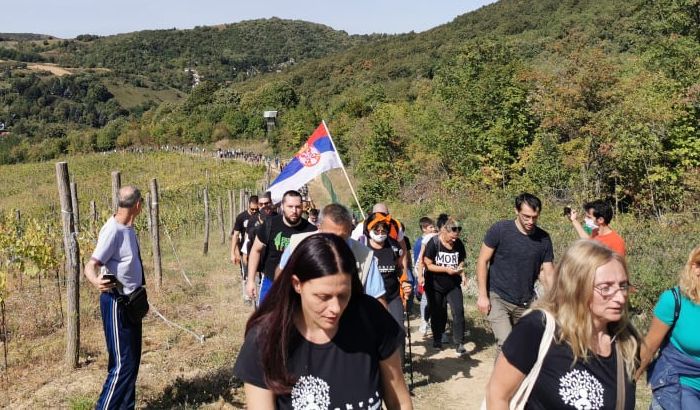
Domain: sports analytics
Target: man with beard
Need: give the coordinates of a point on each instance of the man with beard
(511, 258)
(271, 239)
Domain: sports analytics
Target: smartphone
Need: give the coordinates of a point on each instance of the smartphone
(567, 211)
(110, 276)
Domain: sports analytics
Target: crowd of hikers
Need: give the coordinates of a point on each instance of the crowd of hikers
(333, 298)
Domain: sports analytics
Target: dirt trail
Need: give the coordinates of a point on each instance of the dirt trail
(445, 380)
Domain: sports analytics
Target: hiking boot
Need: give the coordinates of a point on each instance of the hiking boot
(437, 344)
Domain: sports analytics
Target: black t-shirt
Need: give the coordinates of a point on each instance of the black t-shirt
(516, 260)
(441, 256)
(388, 267)
(591, 385)
(341, 374)
(240, 226)
(276, 239)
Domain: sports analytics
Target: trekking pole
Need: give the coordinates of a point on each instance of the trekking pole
(410, 352)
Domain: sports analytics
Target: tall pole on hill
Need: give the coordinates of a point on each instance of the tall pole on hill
(342, 166)
(72, 251)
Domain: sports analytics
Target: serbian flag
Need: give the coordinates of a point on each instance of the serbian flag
(317, 156)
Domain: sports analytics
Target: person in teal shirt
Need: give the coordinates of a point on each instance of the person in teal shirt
(681, 355)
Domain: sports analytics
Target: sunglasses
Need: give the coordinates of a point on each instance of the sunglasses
(456, 229)
(264, 203)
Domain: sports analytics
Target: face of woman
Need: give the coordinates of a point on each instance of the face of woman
(610, 289)
(323, 300)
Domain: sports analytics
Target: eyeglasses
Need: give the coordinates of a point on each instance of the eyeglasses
(456, 229)
(608, 291)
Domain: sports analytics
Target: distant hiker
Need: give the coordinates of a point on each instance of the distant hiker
(428, 230)
(238, 237)
(265, 210)
(598, 215)
(271, 238)
(444, 274)
(318, 342)
(313, 216)
(117, 251)
(336, 219)
(509, 263)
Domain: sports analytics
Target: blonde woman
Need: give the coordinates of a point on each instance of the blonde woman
(675, 377)
(588, 299)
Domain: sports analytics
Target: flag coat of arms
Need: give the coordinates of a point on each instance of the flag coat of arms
(317, 156)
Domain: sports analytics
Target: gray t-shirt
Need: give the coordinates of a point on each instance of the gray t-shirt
(117, 249)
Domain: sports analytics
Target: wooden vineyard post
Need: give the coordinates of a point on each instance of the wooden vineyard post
(154, 227)
(147, 209)
(244, 203)
(93, 217)
(206, 221)
(241, 193)
(116, 184)
(231, 211)
(72, 253)
(74, 204)
(220, 211)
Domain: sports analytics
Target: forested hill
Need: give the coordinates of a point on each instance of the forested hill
(568, 98)
(218, 53)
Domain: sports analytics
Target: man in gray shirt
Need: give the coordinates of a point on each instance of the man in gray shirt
(117, 251)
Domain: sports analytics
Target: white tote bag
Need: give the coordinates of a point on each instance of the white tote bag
(521, 395)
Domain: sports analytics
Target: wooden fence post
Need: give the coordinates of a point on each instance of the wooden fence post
(221, 220)
(147, 209)
(231, 212)
(116, 184)
(74, 204)
(241, 193)
(154, 226)
(206, 221)
(93, 217)
(72, 253)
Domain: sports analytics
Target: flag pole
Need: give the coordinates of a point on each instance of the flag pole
(343, 168)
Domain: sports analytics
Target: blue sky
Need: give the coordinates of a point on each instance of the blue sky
(68, 18)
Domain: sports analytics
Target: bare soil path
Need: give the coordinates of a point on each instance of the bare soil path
(445, 380)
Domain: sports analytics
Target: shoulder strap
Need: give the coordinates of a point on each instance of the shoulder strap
(620, 399)
(523, 393)
(677, 304)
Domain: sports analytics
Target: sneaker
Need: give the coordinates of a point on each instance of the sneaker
(437, 344)
(461, 350)
(445, 338)
(423, 328)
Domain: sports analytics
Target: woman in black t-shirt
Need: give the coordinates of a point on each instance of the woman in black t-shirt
(318, 342)
(443, 259)
(588, 300)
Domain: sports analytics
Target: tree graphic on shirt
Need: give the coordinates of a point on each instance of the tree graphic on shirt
(581, 390)
(311, 393)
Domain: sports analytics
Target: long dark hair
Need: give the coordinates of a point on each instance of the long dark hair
(317, 256)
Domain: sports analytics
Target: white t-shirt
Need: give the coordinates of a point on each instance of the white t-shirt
(117, 249)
